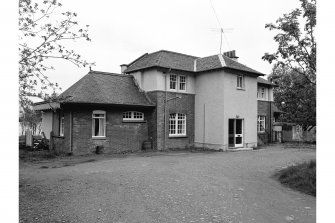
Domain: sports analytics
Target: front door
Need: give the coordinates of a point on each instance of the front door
(235, 132)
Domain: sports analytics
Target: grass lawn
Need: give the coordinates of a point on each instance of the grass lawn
(301, 177)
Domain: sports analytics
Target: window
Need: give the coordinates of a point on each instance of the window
(240, 81)
(133, 116)
(177, 124)
(61, 126)
(98, 124)
(261, 123)
(177, 82)
(173, 81)
(261, 93)
(182, 83)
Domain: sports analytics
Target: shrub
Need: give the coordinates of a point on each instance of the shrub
(301, 177)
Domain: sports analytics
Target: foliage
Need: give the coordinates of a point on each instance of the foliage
(295, 96)
(30, 118)
(296, 43)
(300, 177)
(42, 34)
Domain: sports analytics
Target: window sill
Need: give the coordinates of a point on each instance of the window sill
(61, 137)
(98, 137)
(178, 136)
(241, 89)
(134, 121)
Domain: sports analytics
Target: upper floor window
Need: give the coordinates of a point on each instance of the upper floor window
(61, 126)
(99, 123)
(177, 82)
(173, 81)
(177, 124)
(133, 116)
(261, 123)
(240, 81)
(261, 93)
(182, 83)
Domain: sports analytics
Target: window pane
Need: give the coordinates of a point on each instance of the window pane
(173, 81)
(101, 127)
(172, 124)
(182, 83)
(96, 127)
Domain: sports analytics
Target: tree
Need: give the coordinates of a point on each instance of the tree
(296, 42)
(295, 96)
(42, 34)
(30, 119)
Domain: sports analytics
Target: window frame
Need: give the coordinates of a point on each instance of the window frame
(177, 123)
(94, 118)
(175, 81)
(132, 116)
(260, 93)
(61, 126)
(242, 84)
(260, 119)
(180, 82)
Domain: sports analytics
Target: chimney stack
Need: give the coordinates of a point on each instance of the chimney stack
(123, 68)
(231, 54)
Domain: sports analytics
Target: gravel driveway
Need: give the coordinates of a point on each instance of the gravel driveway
(167, 187)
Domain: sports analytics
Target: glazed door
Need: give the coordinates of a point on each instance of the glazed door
(235, 133)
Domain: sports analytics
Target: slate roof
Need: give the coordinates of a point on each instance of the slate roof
(261, 80)
(178, 61)
(106, 88)
(164, 59)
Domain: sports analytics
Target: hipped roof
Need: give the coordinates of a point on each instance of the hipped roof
(184, 62)
(106, 88)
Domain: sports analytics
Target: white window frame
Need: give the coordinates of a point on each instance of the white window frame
(261, 119)
(181, 82)
(175, 82)
(240, 81)
(177, 125)
(101, 119)
(133, 116)
(61, 126)
(260, 93)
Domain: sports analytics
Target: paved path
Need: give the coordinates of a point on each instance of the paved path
(170, 187)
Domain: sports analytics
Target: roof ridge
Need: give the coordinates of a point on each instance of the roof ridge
(168, 51)
(106, 73)
(137, 59)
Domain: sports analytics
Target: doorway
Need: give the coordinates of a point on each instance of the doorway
(235, 133)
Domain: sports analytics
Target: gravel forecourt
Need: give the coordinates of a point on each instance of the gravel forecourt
(166, 187)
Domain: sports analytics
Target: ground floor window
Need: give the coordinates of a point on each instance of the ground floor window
(98, 124)
(177, 124)
(261, 123)
(61, 126)
(133, 116)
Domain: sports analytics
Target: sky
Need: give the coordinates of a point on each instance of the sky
(122, 31)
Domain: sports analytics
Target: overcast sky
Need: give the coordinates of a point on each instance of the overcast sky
(121, 31)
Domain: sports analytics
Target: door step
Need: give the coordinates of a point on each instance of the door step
(239, 149)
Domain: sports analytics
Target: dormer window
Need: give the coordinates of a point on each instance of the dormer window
(133, 116)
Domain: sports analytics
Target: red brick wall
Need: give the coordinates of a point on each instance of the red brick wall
(264, 109)
(184, 104)
(120, 136)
